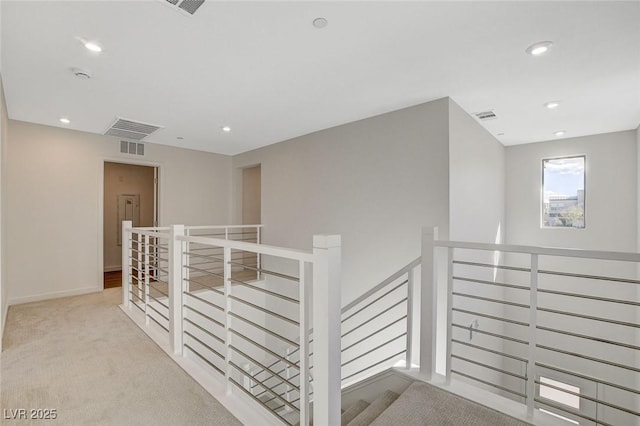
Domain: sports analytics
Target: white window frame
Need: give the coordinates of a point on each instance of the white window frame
(541, 204)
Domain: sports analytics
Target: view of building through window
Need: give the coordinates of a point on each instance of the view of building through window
(563, 182)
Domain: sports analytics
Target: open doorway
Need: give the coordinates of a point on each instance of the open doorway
(130, 193)
(251, 195)
(251, 211)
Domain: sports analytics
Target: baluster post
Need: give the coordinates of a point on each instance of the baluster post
(146, 279)
(531, 358)
(303, 352)
(326, 329)
(175, 288)
(227, 317)
(428, 304)
(126, 263)
(409, 355)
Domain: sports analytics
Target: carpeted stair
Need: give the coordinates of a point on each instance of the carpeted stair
(423, 404)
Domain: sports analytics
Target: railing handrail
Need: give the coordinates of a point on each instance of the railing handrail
(152, 232)
(196, 227)
(300, 255)
(411, 265)
(542, 251)
(152, 228)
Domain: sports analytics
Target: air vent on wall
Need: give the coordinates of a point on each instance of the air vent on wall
(134, 148)
(130, 129)
(486, 115)
(189, 6)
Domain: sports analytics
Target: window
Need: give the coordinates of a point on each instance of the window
(563, 190)
(554, 390)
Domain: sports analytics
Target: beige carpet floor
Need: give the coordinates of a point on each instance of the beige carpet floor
(84, 358)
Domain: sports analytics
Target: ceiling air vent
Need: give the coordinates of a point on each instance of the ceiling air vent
(134, 148)
(130, 129)
(189, 6)
(485, 115)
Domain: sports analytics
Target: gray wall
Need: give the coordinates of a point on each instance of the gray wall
(611, 224)
(375, 181)
(54, 215)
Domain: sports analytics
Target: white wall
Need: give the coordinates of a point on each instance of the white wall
(476, 200)
(4, 299)
(610, 193)
(54, 215)
(477, 180)
(375, 181)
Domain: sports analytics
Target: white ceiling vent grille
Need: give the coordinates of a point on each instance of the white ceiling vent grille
(123, 128)
(134, 148)
(486, 115)
(188, 6)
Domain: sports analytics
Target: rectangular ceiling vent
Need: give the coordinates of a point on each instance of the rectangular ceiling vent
(134, 148)
(129, 129)
(188, 6)
(486, 115)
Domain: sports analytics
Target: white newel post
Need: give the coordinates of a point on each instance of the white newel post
(326, 329)
(305, 307)
(175, 288)
(428, 305)
(126, 261)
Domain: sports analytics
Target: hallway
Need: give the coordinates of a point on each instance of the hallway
(82, 357)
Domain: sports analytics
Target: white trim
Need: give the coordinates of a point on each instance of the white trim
(100, 225)
(4, 323)
(544, 251)
(54, 295)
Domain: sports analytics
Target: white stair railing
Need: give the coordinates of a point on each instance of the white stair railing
(377, 327)
(226, 308)
(553, 329)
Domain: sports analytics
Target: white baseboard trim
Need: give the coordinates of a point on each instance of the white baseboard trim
(112, 268)
(53, 295)
(4, 323)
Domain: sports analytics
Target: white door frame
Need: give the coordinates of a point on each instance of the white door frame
(159, 203)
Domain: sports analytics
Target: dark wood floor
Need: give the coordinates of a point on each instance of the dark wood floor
(113, 279)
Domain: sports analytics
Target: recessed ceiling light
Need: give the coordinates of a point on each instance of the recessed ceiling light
(559, 133)
(539, 48)
(320, 22)
(93, 46)
(226, 129)
(552, 104)
(65, 120)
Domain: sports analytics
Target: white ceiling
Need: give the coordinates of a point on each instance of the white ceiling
(264, 70)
